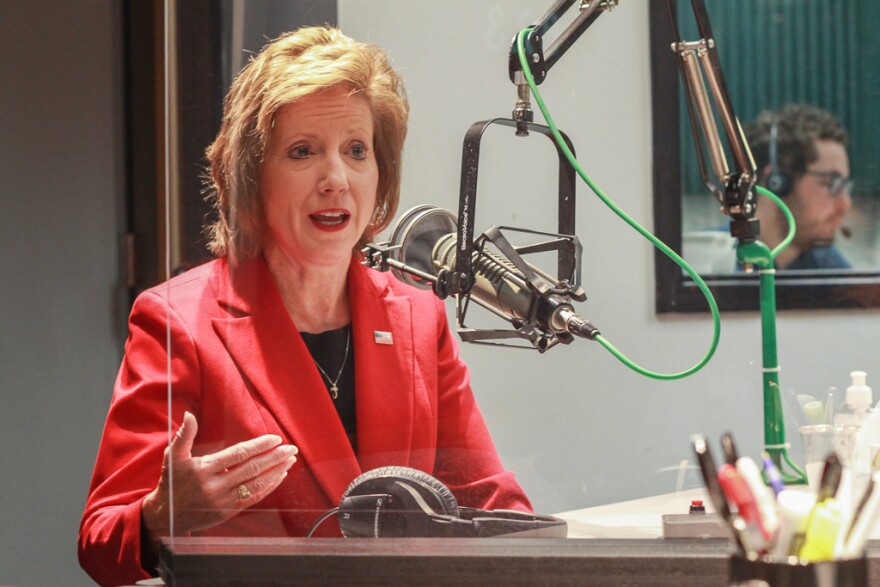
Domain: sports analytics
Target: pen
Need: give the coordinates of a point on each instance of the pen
(855, 543)
(729, 448)
(710, 476)
(774, 477)
(860, 508)
(737, 491)
(831, 475)
(716, 494)
(764, 496)
(846, 499)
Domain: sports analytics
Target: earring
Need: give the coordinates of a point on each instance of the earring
(379, 213)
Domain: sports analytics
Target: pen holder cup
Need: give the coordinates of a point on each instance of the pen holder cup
(766, 572)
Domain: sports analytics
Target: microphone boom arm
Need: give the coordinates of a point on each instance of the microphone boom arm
(541, 62)
(699, 64)
(736, 192)
(739, 202)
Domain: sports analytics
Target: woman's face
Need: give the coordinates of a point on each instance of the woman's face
(318, 178)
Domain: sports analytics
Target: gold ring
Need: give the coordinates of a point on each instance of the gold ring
(243, 492)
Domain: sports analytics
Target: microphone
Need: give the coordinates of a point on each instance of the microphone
(425, 239)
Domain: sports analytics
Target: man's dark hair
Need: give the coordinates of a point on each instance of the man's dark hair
(798, 127)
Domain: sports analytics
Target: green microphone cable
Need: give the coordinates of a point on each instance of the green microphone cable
(789, 217)
(760, 256)
(713, 306)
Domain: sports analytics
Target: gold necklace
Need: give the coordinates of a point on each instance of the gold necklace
(334, 389)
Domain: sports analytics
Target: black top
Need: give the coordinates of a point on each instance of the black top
(328, 351)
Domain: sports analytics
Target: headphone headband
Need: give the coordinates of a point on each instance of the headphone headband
(778, 181)
(403, 502)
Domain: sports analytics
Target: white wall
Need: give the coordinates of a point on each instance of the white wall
(61, 157)
(577, 426)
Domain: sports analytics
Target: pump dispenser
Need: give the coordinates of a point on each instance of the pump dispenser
(852, 414)
(859, 395)
(866, 452)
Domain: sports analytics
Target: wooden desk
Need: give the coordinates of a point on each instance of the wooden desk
(442, 562)
(515, 562)
(618, 544)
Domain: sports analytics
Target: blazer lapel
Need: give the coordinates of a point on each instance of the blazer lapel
(384, 372)
(268, 350)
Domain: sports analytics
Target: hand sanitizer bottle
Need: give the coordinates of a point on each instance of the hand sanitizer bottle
(866, 452)
(852, 414)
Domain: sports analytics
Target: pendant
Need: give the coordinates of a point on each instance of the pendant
(334, 391)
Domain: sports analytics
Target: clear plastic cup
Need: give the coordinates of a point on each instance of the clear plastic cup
(818, 442)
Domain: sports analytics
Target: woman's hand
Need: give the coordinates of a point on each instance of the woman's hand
(213, 488)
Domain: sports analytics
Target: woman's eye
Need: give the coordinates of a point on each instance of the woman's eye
(300, 152)
(359, 151)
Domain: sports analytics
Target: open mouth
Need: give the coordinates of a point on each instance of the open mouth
(330, 218)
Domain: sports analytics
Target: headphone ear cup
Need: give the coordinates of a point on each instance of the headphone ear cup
(779, 182)
(380, 480)
(394, 501)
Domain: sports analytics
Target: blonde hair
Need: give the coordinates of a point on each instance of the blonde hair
(295, 65)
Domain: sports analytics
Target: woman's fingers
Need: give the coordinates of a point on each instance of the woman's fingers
(212, 488)
(247, 471)
(255, 489)
(240, 453)
(182, 443)
(281, 457)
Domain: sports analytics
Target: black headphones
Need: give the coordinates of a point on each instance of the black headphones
(778, 181)
(402, 502)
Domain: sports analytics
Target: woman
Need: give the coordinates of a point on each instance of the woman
(293, 368)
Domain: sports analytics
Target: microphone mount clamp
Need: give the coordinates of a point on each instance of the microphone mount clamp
(378, 256)
(461, 280)
(540, 61)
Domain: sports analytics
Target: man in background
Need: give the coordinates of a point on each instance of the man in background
(800, 153)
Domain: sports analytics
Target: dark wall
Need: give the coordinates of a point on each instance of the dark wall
(61, 302)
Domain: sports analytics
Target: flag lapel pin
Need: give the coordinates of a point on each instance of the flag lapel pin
(382, 337)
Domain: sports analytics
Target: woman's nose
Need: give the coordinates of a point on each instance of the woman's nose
(333, 176)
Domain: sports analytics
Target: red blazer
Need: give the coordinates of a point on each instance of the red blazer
(240, 366)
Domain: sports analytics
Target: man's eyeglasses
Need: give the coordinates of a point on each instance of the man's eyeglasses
(832, 180)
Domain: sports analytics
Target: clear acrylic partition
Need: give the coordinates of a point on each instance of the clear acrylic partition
(564, 421)
(223, 365)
